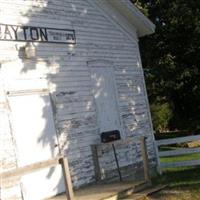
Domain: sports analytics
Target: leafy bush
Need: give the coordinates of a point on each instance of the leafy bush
(161, 116)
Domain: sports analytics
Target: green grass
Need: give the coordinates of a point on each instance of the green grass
(193, 156)
(183, 184)
(179, 177)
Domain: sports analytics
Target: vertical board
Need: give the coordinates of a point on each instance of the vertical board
(35, 134)
(105, 98)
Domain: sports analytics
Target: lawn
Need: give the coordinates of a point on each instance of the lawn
(183, 182)
(193, 156)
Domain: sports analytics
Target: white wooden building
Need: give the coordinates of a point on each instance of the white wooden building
(70, 70)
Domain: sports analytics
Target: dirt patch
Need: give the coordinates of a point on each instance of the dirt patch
(176, 194)
(194, 144)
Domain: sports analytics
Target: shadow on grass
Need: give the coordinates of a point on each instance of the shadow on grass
(179, 177)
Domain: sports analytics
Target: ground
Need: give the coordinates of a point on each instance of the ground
(180, 193)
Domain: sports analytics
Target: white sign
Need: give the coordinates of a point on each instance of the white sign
(36, 34)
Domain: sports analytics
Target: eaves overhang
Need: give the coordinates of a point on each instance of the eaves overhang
(127, 15)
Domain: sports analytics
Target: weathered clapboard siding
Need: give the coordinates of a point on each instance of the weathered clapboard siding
(68, 78)
(103, 52)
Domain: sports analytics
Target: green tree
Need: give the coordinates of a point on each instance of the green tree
(171, 59)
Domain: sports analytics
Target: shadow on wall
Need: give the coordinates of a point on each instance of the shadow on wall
(33, 67)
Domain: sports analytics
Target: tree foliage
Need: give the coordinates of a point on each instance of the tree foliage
(162, 115)
(171, 59)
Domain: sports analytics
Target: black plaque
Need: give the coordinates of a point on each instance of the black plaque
(36, 34)
(110, 136)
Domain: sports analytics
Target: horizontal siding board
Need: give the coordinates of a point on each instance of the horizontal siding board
(38, 21)
(70, 79)
(56, 9)
(112, 48)
(76, 115)
(76, 104)
(69, 84)
(74, 133)
(67, 111)
(76, 51)
(73, 100)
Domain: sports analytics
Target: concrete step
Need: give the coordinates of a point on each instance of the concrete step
(111, 191)
(124, 194)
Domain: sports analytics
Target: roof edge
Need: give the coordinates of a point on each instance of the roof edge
(143, 25)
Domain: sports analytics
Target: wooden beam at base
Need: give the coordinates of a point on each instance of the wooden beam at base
(30, 168)
(40, 165)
